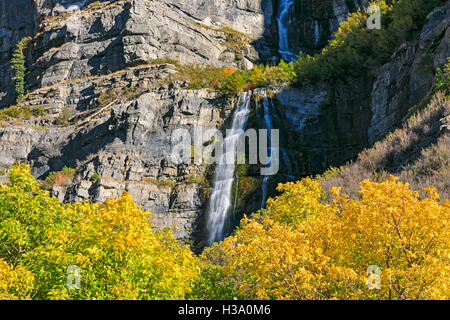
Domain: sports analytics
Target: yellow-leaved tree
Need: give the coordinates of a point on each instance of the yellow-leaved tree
(111, 247)
(301, 249)
(298, 248)
(15, 283)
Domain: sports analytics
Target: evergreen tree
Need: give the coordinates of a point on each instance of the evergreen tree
(18, 65)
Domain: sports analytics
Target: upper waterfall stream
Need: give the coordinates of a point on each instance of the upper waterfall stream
(283, 21)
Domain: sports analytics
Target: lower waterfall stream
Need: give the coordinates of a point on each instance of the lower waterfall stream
(268, 125)
(221, 197)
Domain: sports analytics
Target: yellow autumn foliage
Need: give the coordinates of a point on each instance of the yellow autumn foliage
(297, 201)
(325, 252)
(15, 283)
(113, 245)
(298, 248)
(120, 256)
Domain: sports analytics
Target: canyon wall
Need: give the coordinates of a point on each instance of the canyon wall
(79, 52)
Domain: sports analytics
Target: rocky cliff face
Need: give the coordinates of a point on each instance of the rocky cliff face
(315, 22)
(407, 79)
(18, 19)
(74, 39)
(81, 50)
(98, 70)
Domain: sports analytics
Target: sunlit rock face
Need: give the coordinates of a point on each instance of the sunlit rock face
(127, 145)
(79, 51)
(74, 39)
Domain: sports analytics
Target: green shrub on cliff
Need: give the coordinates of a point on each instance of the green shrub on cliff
(233, 84)
(58, 178)
(442, 79)
(280, 74)
(64, 118)
(231, 81)
(22, 112)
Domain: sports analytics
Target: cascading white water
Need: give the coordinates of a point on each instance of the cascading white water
(268, 123)
(283, 21)
(220, 200)
(316, 33)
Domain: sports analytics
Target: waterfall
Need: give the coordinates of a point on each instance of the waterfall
(283, 21)
(221, 198)
(288, 164)
(268, 124)
(316, 33)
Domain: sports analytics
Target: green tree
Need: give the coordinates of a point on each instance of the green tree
(18, 65)
(441, 78)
